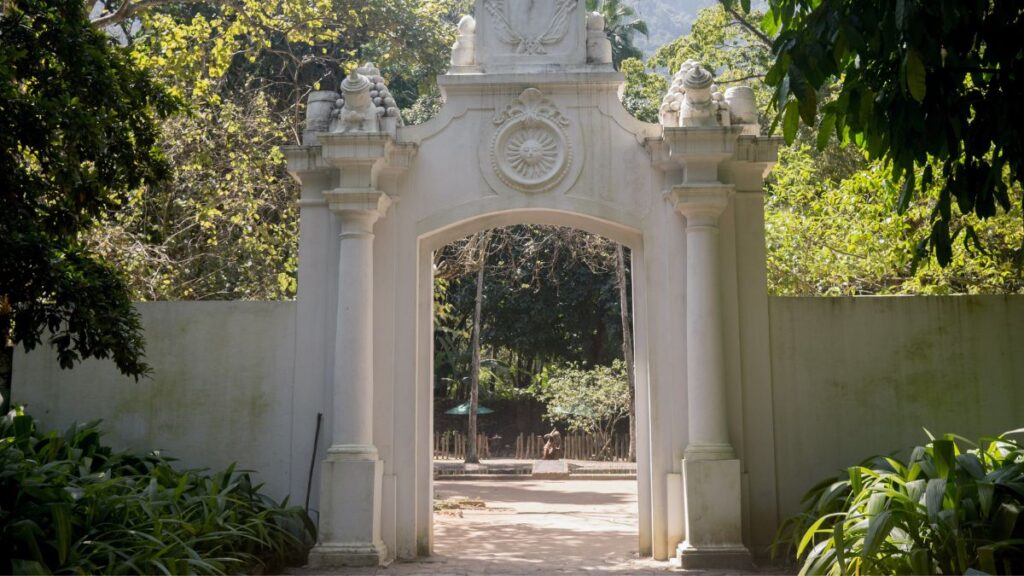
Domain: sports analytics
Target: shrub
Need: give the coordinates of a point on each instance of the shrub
(945, 511)
(589, 400)
(69, 504)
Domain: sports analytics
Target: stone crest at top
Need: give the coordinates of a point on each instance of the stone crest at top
(509, 36)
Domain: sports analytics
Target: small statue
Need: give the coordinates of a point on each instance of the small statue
(702, 104)
(694, 100)
(357, 113)
(599, 48)
(553, 445)
(365, 103)
(464, 50)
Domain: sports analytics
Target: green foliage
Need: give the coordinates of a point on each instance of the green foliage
(77, 132)
(944, 511)
(69, 504)
(588, 400)
(719, 40)
(549, 296)
(621, 25)
(226, 225)
(931, 88)
(644, 90)
(832, 229)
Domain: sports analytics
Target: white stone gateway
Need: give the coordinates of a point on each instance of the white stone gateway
(532, 131)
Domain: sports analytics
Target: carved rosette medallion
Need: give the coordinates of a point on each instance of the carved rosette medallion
(530, 150)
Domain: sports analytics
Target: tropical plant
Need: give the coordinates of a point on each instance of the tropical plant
(944, 511)
(78, 132)
(621, 25)
(69, 504)
(591, 400)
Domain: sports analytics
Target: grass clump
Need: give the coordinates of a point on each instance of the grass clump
(69, 504)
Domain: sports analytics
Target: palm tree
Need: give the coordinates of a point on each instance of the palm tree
(620, 24)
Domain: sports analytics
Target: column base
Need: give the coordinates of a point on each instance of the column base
(329, 555)
(714, 516)
(713, 558)
(350, 511)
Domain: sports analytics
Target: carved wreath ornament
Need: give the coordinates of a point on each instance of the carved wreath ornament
(524, 42)
(530, 151)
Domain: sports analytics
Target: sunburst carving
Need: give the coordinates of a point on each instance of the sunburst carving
(530, 151)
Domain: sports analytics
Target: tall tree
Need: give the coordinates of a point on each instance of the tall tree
(831, 219)
(225, 226)
(483, 242)
(627, 342)
(621, 24)
(931, 88)
(78, 131)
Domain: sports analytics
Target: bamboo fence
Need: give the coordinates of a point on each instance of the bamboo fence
(451, 445)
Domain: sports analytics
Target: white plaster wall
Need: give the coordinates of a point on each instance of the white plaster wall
(220, 391)
(855, 377)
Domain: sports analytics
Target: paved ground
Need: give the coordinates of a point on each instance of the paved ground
(531, 527)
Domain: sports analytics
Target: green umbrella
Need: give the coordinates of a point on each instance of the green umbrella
(463, 410)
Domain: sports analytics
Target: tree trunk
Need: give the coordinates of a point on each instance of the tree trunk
(6, 354)
(474, 380)
(627, 344)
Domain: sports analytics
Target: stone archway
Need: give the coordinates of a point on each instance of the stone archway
(533, 131)
(428, 243)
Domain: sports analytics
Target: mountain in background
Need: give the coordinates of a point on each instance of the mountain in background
(667, 20)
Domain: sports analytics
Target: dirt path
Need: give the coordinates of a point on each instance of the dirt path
(542, 527)
(586, 527)
(531, 527)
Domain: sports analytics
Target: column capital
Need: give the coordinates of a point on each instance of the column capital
(701, 204)
(358, 204)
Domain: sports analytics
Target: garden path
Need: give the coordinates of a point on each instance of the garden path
(530, 527)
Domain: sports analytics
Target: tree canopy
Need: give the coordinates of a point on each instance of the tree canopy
(931, 88)
(78, 132)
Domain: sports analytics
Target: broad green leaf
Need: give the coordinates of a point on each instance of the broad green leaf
(840, 546)
(933, 497)
(878, 530)
(920, 561)
(986, 490)
(970, 462)
(876, 504)
(808, 104)
(942, 452)
(811, 531)
(855, 479)
(791, 121)
(906, 193)
(61, 513)
(941, 242)
(825, 129)
(915, 75)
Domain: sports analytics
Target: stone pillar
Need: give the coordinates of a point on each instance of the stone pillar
(705, 366)
(711, 472)
(350, 494)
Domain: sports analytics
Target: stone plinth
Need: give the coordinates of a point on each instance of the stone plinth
(550, 470)
(714, 531)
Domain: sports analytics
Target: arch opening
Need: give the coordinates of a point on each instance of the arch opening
(444, 234)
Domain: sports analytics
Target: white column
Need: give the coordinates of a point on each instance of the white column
(705, 370)
(712, 476)
(352, 431)
(350, 492)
